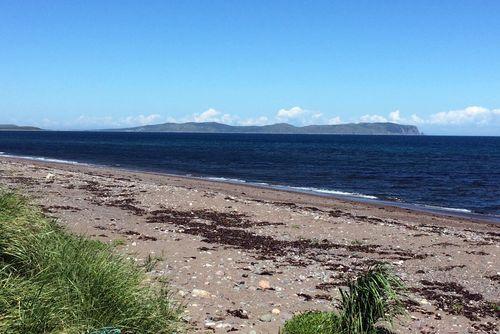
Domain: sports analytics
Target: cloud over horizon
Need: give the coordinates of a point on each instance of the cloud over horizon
(473, 115)
(477, 116)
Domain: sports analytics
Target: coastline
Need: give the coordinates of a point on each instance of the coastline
(332, 194)
(229, 247)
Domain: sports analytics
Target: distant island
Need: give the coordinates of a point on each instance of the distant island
(283, 128)
(12, 127)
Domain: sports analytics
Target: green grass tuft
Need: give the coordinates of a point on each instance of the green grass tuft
(55, 282)
(372, 297)
(313, 322)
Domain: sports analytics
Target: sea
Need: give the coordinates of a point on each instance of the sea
(443, 174)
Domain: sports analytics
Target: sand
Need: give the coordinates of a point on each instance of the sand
(245, 259)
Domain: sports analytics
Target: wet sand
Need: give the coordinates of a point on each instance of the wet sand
(238, 256)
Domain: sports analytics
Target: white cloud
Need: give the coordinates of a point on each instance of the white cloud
(372, 118)
(395, 116)
(454, 119)
(301, 116)
(207, 115)
(291, 113)
(473, 114)
(212, 115)
(470, 116)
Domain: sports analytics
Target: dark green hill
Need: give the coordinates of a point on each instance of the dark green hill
(213, 127)
(12, 127)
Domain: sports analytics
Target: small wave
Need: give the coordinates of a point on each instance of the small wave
(27, 157)
(223, 179)
(443, 208)
(282, 187)
(334, 192)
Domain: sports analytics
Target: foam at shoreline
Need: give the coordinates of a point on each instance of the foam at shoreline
(27, 157)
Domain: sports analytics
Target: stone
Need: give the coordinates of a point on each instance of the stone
(266, 318)
(275, 311)
(49, 177)
(200, 293)
(264, 284)
(210, 324)
(424, 302)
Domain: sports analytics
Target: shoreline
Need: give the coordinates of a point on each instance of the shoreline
(235, 254)
(336, 195)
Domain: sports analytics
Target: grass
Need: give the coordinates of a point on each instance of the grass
(373, 297)
(55, 282)
(150, 262)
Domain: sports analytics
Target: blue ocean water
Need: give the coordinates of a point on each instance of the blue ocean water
(461, 173)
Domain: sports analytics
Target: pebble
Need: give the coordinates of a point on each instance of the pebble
(275, 311)
(266, 318)
(200, 293)
(209, 324)
(264, 284)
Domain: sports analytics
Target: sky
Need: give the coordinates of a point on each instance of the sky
(101, 64)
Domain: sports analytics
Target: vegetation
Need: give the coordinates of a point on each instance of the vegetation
(372, 297)
(350, 128)
(55, 282)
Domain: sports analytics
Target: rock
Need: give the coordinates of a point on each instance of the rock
(49, 177)
(424, 302)
(210, 324)
(275, 311)
(266, 318)
(264, 284)
(252, 332)
(200, 293)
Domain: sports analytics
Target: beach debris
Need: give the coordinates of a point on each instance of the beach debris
(50, 177)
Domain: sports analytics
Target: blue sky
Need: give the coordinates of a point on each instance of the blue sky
(94, 64)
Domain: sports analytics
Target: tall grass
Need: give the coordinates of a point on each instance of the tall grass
(373, 297)
(55, 282)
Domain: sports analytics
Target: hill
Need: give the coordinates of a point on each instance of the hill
(12, 127)
(284, 128)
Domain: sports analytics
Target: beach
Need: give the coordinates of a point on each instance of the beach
(244, 258)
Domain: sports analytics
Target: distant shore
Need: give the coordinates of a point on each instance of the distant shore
(235, 252)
